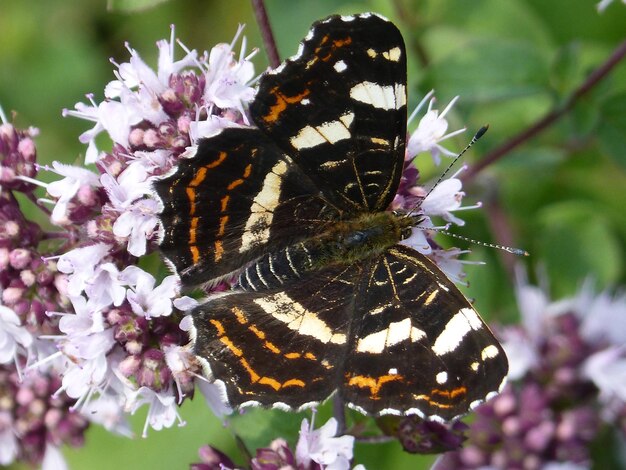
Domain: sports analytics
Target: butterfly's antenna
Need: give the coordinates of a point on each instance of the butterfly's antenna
(508, 249)
(477, 136)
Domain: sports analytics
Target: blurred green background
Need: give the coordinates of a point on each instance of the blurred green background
(560, 195)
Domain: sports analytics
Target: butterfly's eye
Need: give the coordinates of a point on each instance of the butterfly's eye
(406, 233)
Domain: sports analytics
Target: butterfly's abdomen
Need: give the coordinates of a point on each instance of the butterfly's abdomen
(344, 243)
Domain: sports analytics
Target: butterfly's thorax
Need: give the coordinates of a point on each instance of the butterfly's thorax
(341, 243)
(353, 240)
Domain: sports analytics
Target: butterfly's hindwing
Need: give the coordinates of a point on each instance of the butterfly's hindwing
(390, 334)
(339, 109)
(419, 346)
(279, 345)
(238, 197)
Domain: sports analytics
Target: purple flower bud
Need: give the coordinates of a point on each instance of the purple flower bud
(20, 258)
(129, 365)
(135, 137)
(12, 295)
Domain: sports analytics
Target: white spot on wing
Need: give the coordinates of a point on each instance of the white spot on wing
(261, 210)
(340, 66)
(307, 137)
(297, 318)
(393, 55)
(489, 352)
(331, 131)
(395, 333)
(383, 97)
(456, 329)
(442, 377)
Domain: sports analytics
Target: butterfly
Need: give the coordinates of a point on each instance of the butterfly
(328, 301)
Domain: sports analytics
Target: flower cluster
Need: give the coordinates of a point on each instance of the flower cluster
(104, 333)
(316, 449)
(36, 416)
(568, 366)
(121, 346)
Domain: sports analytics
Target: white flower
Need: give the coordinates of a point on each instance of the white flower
(446, 198)
(104, 287)
(14, 338)
(151, 160)
(145, 299)
(80, 264)
(215, 396)
(136, 73)
(129, 186)
(137, 224)
(8, 439)
(81, 380)
(210, 127)
(449, 262)
(607, 370)
(67, 188)
(227, 79)
(321, 447)
(603, 316)
(162, 408)
(521, 352)
(430, 131)
(85, 344)
(417, 240)
(88, 113)
(107, 411)
(53, 459)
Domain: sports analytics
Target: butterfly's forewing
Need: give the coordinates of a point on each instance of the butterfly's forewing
(222, 207)
(339, 109)
(419, 346)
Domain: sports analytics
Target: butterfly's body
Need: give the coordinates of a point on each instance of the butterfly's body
(327, 301)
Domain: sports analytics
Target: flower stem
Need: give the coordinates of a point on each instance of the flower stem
(41, 207)
(594, 78)
(260, 13)
(503, 233)
(373, 439)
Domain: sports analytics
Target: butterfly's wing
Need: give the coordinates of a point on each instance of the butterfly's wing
(391, 333)
(223, 206)
(419, 346)
(281, 347)
(338, 108)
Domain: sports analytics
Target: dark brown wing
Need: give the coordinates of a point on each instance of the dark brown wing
(338, 109)
(418, 346)
(223, 206)
(391, 334)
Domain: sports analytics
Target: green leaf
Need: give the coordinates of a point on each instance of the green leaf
(514, 69)
(564, 68)
(257, 427)
(612, 128)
